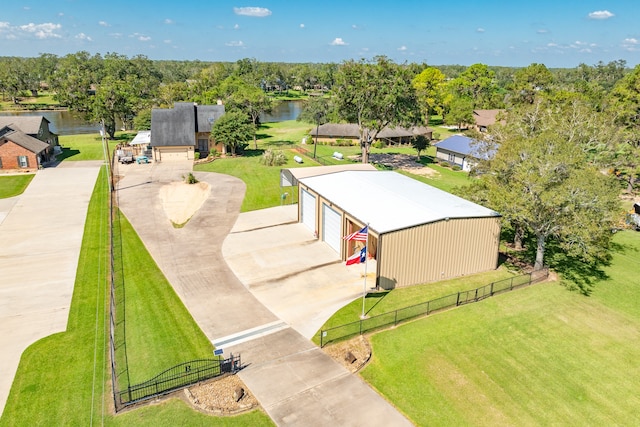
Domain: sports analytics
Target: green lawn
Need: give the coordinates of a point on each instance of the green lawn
(64, 379)
(88, 146)
(537, 356)
(14, 185)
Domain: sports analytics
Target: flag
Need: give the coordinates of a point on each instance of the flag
(358, 236)
(358, 257)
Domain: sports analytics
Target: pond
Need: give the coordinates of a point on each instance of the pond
(66, 123)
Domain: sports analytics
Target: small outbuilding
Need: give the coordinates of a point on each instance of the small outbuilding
(459, 150)
(417, 233)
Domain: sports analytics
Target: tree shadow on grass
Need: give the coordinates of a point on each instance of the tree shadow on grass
(66, 153)
(252, 152)
(279, 143)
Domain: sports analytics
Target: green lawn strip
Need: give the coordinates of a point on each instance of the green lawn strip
(538, 356)
(89, 146)
(280, 134)
(53, 384)
(160, 332)
(14, 185)
(387, 301)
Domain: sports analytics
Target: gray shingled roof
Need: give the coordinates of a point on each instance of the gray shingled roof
(206, 115)
(22, 139)
(177, 126)
(350, 130)
(27, 124)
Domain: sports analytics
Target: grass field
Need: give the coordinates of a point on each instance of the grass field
(88, 146)
(64, 380)
(14, 185)
(538, 356)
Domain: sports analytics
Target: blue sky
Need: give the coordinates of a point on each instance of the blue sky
(557, 33)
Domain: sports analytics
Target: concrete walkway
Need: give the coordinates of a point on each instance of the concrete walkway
(295, 382)
(40, 234)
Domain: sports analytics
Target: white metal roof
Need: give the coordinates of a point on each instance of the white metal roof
(389, 201)
(291, 176)
(143, 137)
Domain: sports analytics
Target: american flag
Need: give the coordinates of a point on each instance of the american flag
(358, 236)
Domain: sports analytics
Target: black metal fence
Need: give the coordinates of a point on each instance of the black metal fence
(178, 377)
(423, 309)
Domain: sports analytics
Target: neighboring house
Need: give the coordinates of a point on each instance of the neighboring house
(417, 233)
(485, 118)
(36, 127)
(19, 151)
(396, 135)
(458, 150)
(178, 132)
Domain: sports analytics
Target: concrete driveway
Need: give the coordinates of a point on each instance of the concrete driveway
(296, 382)
(41, 234)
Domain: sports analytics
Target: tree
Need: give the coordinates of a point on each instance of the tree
(375, 95)
(460, 112)
(478, 84)
(315, 110)
(430, 88)
(232, 130)
(420, 143)
(528, 81)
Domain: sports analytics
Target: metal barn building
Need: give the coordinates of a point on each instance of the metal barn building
(417, 233)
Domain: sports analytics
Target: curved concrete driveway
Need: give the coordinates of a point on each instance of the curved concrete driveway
(295, 381)
(40, 234)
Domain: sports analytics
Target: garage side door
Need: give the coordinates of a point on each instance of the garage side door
(331, 221)
(309, 210)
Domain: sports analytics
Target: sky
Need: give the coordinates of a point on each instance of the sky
(557, 33)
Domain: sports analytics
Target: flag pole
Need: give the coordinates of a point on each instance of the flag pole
(366, 262)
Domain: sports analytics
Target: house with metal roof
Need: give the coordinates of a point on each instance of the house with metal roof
(178, 133)
(459, 150)
(417, 233)
(390, 135)
(19, 151)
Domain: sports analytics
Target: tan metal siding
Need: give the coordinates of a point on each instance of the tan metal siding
(438, 251)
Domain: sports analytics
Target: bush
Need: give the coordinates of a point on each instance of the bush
(456, 168)
(214, 152)
(190, 179)
(343, 142)
(378, 144)
(273, 158)
(436, 135)
(196, 155)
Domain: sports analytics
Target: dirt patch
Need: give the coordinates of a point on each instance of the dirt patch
(404, 162)
(352, 354)
(181, 201)
(217, 396)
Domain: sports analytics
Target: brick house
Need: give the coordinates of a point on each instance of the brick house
(19, 151)
(36, 127)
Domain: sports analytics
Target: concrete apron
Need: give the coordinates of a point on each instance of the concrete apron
(41, 233)
(295, 381)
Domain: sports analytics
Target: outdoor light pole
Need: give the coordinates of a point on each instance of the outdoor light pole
(366, 261)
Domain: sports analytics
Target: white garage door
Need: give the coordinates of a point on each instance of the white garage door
(172, 154)
(309, 210)
(331, 227)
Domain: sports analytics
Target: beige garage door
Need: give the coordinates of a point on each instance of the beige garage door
(169, 154)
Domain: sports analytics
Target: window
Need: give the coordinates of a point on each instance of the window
(0, 163)
(23, 161)
(452, 157)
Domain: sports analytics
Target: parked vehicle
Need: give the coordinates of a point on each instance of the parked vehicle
(142, 159)
(125, 160)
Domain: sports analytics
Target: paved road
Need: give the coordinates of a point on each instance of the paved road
(40, 234)
(295, 382)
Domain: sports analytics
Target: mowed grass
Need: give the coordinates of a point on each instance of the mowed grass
(160, 332)
(538, 356)
(14, 185)
(64, 379)
(89, 146)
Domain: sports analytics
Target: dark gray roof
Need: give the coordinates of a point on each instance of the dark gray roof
(22, 139)
(206, 115)
(350, 130)
(27, 124)
(177, 126)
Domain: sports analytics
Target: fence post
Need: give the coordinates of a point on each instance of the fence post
(476, 298)
(458, 300)
(321, 337)
(395, 320)
(491, 292)
(360, 326)
(428, 306)
(511, 285)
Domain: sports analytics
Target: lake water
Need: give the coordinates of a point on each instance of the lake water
(66, 123)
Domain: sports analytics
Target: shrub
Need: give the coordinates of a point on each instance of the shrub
(378, 144)
(190, 179)
(435, 135)
(273, 158)
(456, 168)
(445, 164)
(343, 142)
(196, 155)
(214, 152)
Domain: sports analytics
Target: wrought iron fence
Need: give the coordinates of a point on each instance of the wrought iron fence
(423, 309)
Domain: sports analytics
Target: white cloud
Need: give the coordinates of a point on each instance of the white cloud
(259, 12)
(601, 14)
(402, 48)
(26, 8)
(144, 38)
(60, 14)
(338, 42)
(235, 43)
(116, 35)
(103, 24)
(542, 31)
(631, 44)
(166, 41)
(168, 21)
(355, 27)
(83, 36)
(480, 30)
(42, 31)
(236, 27)
(301, 25)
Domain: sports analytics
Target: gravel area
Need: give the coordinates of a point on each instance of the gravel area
(217, 396)
(402, 161)
(345, 352)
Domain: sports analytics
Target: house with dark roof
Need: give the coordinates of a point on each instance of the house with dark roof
(485, 118)
(19, 151)
(459, 150)
(36, 127)
(390, 135)
(178, 133)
